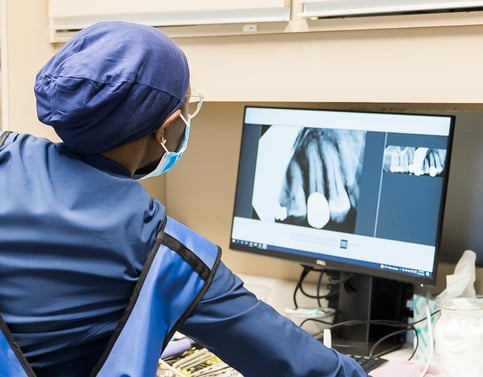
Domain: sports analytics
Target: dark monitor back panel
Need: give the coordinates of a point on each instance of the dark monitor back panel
(463, 219)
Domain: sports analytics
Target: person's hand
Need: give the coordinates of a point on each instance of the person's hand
(402, 368)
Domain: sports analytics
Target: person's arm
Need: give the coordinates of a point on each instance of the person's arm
(255, 339)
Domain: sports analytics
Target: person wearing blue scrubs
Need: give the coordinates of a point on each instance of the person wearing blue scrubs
(95, 276)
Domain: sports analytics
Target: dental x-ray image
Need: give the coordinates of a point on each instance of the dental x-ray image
(315, 177)
(416, 161)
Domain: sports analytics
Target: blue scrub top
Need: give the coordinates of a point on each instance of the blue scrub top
(75, 232)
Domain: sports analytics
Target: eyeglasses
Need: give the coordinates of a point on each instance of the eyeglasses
(195, 101)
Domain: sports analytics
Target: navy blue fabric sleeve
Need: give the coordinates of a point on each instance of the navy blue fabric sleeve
(255, 339)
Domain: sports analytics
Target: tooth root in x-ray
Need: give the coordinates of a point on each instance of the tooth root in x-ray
(339, 203)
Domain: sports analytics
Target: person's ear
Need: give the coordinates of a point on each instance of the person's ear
(159, 133)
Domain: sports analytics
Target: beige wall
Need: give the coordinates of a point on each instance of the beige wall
(402, 65)
(432, 66)
(25, 48)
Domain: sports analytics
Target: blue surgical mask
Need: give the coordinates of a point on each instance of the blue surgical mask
(169, 159)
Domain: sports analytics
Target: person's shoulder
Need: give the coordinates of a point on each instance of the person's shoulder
(23, 142)
(26, 138)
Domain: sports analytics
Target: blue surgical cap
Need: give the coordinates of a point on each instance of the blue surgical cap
(112, 83)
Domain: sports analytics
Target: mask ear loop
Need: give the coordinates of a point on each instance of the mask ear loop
(163, 144)
(163, 140)
(185, 120)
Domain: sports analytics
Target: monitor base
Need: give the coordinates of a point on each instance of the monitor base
(369, 309)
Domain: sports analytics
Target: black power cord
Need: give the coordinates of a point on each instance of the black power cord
(300, 287)
(404, 327)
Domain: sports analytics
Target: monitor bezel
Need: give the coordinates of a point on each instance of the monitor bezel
(329, 264)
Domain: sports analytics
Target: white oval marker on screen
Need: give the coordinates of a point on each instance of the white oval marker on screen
(318, 212)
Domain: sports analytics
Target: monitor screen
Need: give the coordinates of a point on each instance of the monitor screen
(361, 192)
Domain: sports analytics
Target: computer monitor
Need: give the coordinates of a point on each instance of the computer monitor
(360, 192)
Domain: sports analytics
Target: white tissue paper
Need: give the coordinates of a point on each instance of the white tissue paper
(458, 284)
(458, 332)
(462, 282)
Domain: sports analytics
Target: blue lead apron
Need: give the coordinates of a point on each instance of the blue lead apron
(177, 273)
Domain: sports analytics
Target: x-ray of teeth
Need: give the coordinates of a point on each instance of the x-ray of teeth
(416, 161)
(320, 187)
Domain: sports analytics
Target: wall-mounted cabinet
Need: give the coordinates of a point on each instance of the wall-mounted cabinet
(192, 18)
(348, 8)
(69, 16)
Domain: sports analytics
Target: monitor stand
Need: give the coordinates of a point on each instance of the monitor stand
(364, 298)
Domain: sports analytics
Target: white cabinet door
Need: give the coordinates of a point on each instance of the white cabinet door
(72, 15)
(341, 8)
